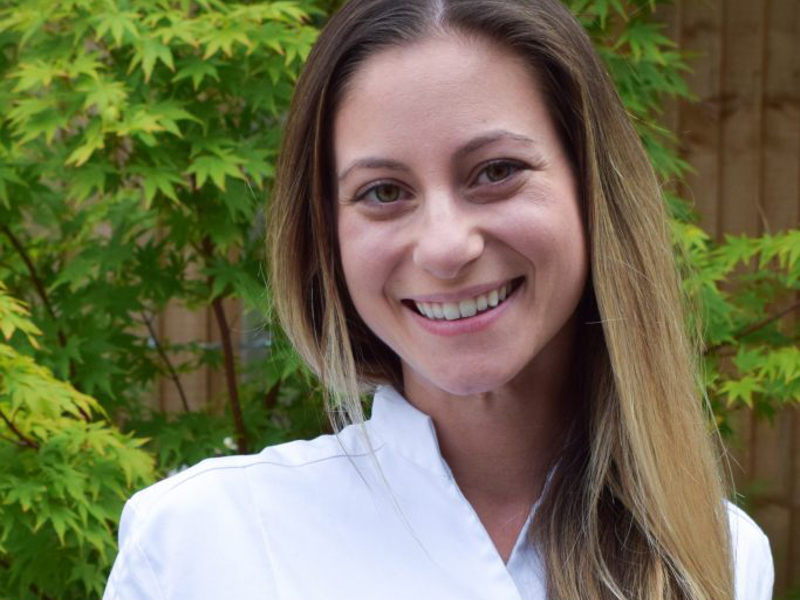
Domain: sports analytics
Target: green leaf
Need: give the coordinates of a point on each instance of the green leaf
(224, 39)
(148, 51)
(158, 179)
(118, 23)
(89, 179)
(169, 113)
(198, 70)
(138, 120)
(748, 358)
(645, 40)
(103, 95)
(741, 389)
(25, 493)
(93, 139)
(86, 63)
(36, 74)
(14, 316)
(216, 167)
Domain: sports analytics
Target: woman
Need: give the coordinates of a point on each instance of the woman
(465, 217)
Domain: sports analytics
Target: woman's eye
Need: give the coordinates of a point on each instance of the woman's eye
(383, 193)
(497, 171)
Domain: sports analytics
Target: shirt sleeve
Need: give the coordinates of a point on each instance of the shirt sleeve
(754, 572)
(132, 576)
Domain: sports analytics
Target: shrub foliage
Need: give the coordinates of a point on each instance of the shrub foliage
(64, 474)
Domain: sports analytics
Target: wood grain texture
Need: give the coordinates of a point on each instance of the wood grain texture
(741, 97)
(699, 122)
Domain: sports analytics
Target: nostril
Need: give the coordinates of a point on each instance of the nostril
(445, 255)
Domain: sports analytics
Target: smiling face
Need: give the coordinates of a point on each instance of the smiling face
(458, 218)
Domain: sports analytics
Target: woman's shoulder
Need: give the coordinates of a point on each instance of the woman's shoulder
(744, 530)
(752, 557)
(227, 478)
(176, 535)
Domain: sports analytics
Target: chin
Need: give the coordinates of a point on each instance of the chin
(468, 382)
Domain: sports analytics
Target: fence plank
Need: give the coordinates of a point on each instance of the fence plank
(781, 139)
(178, 325)
(741, 121)
(699, 122)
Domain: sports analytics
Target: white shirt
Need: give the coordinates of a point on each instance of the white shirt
(314, 520)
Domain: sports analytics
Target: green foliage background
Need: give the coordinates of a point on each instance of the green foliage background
(137, 144)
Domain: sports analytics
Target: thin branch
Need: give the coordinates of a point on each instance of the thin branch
(768, 320)
(271, 397)
(11, 440)
(22, 437)
(37, 283)
(755, 327)
(42, 293)
(42, 596)
(230, 374)
(227, 350)
(173, 374)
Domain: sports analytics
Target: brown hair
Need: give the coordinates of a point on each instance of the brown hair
(636, 507)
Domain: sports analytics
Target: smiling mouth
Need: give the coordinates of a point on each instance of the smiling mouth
(469, 307)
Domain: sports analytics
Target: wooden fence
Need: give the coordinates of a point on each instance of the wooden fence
(742, 137)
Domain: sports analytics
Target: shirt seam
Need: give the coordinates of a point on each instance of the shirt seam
(211, 468)
(150, 568)
(137, 516)
(264, 539)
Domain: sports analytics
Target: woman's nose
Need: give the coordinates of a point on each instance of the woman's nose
(449, 238)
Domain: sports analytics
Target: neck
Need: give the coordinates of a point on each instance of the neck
(500, 444)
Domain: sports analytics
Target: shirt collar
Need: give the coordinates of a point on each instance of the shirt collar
(411, 433)
(407, 430)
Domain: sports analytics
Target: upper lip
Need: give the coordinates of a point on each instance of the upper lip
(462, 294)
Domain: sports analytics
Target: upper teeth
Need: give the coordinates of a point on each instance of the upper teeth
(465, 308)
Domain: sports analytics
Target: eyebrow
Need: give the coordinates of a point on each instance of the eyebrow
(489, 138)
(374, 163)
(472, 146)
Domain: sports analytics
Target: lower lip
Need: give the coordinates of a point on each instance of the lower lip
(467, 325)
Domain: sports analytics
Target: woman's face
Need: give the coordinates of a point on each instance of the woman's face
(458, 218)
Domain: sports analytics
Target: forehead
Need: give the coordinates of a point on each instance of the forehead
(445, 88)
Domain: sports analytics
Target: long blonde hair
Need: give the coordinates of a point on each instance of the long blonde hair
(636, 508)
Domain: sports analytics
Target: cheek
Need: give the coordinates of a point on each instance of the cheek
(366, 258)
(551, 236)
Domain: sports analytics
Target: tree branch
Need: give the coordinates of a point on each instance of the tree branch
(173, 374)
(37, 283)
(227, 350)
(271, 397)
(11, 440)
(755, 327)
(24, 440)
(230, 374)
(41, 595)
(42, 293)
